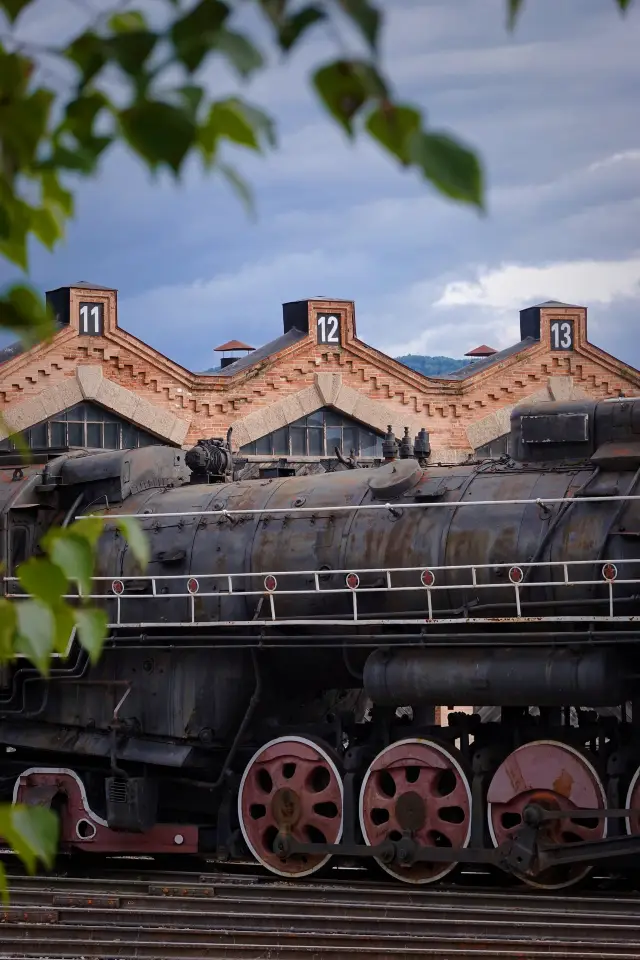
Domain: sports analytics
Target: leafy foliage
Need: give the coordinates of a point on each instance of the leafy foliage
(164, 116)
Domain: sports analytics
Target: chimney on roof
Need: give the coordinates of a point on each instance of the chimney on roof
(481, 352)
(232, 346)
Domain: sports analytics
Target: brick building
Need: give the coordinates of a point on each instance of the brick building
(290, 402)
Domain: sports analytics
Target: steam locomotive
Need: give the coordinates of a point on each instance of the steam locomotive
(271, 685)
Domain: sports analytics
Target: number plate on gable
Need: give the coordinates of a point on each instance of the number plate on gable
(328, 327)
(561, 334)
(91, 319)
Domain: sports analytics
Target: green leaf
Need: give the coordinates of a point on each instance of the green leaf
(345, 86)
(624, 4)
(195, 34)
(92, 630)
(90, 528)
(73, 554)
(4, 886)
(83, 157)
(136, 538)
(295, 26)
(227, 119)
(32, 831)
(13, 8)
(366, 17)
(81, 113)
(393, 127)
(239, 185)
(43, 579)
(8, 624)
(23, 311)
(452, 168)
(45, 226)
(130, 21)
(54, 194)
(36, 633)
(191, 97)
(132, 50)
(240, 52)
(513, 10)
(90, 53)
(158, 132)
(64, 617)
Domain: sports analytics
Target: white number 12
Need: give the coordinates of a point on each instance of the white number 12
(328, 329)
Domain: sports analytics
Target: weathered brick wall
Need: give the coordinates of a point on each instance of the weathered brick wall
(363, 382)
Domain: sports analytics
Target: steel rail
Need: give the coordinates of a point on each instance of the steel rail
(217, 916)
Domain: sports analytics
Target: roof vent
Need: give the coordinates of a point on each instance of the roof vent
(232, 346)
(479, 353)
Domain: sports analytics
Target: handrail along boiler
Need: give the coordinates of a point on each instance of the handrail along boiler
(271, 681)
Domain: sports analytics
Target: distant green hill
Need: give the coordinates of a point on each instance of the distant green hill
(432, 366)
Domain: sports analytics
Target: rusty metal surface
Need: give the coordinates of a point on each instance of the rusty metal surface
(225, 917)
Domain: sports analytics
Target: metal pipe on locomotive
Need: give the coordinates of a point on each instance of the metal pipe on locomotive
(270, 683)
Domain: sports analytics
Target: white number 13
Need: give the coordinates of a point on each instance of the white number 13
(561, 335)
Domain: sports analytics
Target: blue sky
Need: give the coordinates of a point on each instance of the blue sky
(555, 112)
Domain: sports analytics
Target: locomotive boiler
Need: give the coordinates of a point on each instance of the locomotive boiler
(272, 682)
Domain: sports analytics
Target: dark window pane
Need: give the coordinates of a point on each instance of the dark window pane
(298, 441)
(146, 440)
(58, 433)
(315, 442)
(299, 423)
(94, 434)
(39, 436)
(249, 449)
(263, 446)
(367, 444)
(111, 436)
(128, 436)
(349, 440)
(76, 434)
(281, 441)
(74, 413)
(316, 419)
(333, 419)
(378, 446)
(334, 439)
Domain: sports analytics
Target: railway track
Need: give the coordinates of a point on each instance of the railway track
(183, 916)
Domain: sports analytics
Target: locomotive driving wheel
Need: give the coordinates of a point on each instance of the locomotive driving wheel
(417, 787)
(291, 785)
(556, 776)
(633, 803)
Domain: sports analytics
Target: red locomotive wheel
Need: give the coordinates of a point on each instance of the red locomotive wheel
(417, 786)
(291, 785)
(633, 803)
(555, 776)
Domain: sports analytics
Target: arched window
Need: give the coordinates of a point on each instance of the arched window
(317, 435)
(84, 425)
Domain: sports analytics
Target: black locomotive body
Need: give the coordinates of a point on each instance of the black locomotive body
(272, 681)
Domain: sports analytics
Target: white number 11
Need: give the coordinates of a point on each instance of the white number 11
(94, 313)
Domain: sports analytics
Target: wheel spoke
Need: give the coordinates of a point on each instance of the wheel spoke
(291, 785)
(412, 786)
